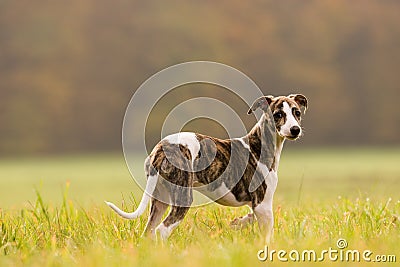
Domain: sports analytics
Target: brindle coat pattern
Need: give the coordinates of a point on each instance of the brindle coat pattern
(227, 161)
(229, 150)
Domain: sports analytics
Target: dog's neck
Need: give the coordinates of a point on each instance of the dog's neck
(279, 140)
(266, 142)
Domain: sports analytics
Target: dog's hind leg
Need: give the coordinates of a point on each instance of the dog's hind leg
(157, 210)
(177, 213)
(175, 216)
(178, 184)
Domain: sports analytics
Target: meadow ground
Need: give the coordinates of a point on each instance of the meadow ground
(52, 214)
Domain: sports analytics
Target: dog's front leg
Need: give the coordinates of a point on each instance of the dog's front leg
(265, 219)
(263, 211)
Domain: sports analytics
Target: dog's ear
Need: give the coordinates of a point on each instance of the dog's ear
(262, 103)
(301, 100)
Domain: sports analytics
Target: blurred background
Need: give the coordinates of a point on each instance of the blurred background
(69, 68)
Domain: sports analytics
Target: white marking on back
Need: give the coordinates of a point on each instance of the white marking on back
(186, 139)
(290, 120)
(243, 143)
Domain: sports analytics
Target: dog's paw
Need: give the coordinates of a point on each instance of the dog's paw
(241, 222)
(236, 224)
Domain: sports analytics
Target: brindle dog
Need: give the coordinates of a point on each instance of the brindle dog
(232, 172)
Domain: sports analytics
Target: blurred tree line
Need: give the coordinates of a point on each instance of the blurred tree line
(69, 68)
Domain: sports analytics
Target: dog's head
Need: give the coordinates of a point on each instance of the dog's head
(286, 111)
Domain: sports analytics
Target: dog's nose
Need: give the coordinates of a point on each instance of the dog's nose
(295, 130)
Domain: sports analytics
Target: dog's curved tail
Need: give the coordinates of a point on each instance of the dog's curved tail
(147, 195)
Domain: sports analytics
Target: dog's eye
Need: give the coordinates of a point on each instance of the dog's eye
(297, 113)
(278, 115)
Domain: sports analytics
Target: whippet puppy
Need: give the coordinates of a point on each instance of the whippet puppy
(232, 172)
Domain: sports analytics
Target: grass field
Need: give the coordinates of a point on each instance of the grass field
(52, 213)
